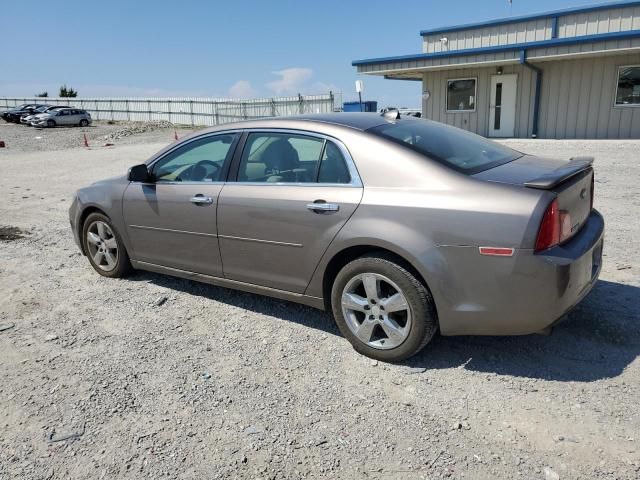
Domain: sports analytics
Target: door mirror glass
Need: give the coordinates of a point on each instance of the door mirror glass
(139, 173)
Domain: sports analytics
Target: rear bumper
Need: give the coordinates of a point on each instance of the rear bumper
(522, 294)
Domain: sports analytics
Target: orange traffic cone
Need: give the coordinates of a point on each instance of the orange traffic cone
(86, 142)
(175, 135)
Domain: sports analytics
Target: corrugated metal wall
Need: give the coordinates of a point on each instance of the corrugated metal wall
(478, 121)
(531, 31)
(191, 111)
(576, 100)
(578, 96)
(572, 25)
(600, 21)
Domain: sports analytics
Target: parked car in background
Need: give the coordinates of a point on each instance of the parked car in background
(400, 226)
(62, 117)
(40, 109)
(14, 114)
(28, 118)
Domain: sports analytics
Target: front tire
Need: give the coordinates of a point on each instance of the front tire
(384, 311)
(84, 122)
(51, 123)
(104, 247)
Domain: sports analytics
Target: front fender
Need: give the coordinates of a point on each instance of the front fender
(105, 196)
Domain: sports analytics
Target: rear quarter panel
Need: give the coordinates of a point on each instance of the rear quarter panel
(422, 210)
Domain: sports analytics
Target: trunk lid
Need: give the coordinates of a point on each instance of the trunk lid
(571, 181)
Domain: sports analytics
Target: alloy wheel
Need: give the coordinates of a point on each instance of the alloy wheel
(376, 311)
(102, 246)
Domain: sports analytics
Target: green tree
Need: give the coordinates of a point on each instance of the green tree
(42, 94)
(67, 92)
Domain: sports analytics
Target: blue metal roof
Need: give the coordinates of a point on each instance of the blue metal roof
(536, 16)
(553, 42)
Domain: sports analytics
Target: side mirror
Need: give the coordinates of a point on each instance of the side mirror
(139, 173)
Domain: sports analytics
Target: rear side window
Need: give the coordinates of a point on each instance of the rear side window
(463, 151)
(291, 158)
(333, 168)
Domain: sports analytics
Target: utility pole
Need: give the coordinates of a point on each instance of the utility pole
(359, 89)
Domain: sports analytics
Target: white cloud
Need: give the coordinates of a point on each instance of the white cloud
(242, 89)
(292, 80)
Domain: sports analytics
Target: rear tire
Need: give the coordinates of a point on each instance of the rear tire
(51, 123)
(104, 247)
(384, 311)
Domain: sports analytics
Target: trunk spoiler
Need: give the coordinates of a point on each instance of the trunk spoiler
(556, 177)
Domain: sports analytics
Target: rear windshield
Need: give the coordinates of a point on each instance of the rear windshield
(461, 150)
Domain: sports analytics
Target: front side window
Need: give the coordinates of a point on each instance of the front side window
(459, 149)
(628, 87)
(201, 160)
(461, 95)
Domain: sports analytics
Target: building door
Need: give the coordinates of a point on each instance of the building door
(502, 107)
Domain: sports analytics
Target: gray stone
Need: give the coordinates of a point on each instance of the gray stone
(550, 474)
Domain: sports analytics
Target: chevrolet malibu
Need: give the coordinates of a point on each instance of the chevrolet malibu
(399, 226)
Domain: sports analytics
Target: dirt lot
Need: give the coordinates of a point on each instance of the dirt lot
(98, 381)
(21, 138)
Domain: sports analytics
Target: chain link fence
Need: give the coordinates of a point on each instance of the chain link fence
(191, 111)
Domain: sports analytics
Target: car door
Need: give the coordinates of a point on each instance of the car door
(74, 117)
(62, 117)
(171, 221)
(291, 194)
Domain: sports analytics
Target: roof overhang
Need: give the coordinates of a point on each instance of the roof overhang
(410, 67)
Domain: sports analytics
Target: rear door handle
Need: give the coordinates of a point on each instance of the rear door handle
(201, 200)
(321, 207)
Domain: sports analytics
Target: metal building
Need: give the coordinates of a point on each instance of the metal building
(571, 73)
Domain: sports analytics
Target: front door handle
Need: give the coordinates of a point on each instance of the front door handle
(201, 200)
(320, 206)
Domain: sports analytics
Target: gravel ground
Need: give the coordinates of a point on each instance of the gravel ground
(21, 138)
(156, 377)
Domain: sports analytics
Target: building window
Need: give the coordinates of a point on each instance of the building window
(628, 87)
(461, 95)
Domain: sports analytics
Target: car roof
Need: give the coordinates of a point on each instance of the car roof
(359, 121)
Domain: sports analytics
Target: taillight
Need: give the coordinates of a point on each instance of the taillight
(554, 228)
(593, 187)
(549, 233)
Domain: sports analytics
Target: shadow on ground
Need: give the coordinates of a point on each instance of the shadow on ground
(291, 312)
(598, 339)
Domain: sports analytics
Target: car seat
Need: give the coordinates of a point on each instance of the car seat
(281, 159)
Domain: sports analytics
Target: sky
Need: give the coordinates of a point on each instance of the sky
(239, 48)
